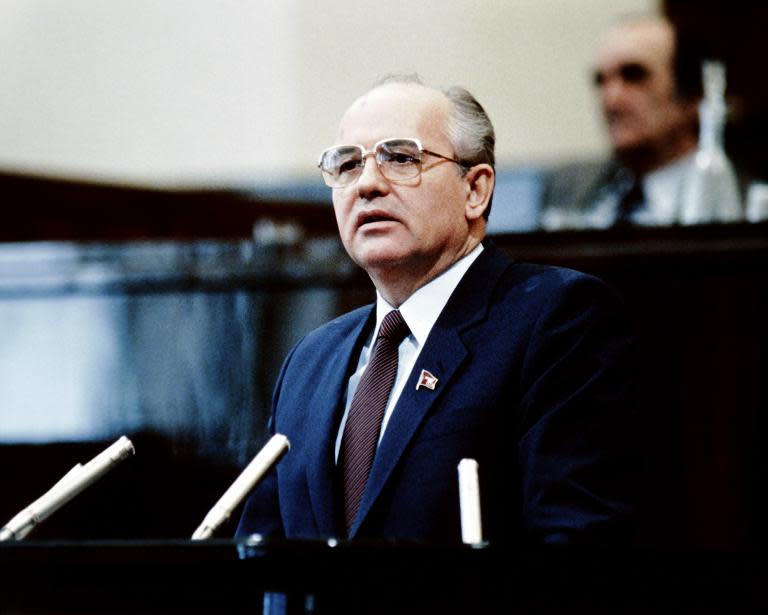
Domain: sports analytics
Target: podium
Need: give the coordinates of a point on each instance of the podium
(223, 576)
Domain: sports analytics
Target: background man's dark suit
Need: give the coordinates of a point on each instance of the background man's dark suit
(533, 374)
(571, 191)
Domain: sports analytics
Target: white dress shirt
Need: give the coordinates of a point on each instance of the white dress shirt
(663, 190)
(420, 312)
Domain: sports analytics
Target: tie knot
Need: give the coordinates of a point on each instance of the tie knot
(394, 327)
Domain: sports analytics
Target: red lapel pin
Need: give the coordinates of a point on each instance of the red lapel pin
(426, 380)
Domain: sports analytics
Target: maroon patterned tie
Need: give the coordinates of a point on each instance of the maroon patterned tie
(361, 431)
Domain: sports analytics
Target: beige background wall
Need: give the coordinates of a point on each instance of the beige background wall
(212, 92)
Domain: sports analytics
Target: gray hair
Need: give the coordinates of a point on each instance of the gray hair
(469, 129)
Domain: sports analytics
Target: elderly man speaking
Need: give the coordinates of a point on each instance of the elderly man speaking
(465, 354)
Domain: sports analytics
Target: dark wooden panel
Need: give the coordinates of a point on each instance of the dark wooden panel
(41, 208)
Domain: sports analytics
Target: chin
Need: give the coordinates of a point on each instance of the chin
(380, 261)
(378, 252)
(381, 258)
(626, 140)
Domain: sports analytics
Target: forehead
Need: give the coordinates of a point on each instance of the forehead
(649, 43)
(396, 110)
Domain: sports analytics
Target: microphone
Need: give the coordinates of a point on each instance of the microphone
(469, 502)
(67, 487)
(263, 462)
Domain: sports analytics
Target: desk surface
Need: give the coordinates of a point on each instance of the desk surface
(225, 576)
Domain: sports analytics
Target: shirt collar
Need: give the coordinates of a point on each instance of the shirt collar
(421, 310)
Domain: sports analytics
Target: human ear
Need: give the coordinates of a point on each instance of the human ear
(480, 182)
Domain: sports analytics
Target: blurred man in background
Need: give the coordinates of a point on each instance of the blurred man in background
(649, 93)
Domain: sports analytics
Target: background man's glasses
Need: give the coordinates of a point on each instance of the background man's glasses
(397, 159)
(632, 72)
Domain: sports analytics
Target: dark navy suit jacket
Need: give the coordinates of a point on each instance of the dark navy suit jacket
(533, 382)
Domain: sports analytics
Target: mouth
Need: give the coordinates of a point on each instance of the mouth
(372, 217)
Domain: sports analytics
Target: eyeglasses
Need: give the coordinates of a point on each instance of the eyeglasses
(632, 72)
(397, 159)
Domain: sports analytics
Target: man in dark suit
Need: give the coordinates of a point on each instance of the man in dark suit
(522, 367)
(649, 87)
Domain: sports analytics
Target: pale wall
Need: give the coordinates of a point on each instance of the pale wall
(214, 92)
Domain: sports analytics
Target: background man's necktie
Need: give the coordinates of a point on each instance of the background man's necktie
(630, 202)
(361, 431)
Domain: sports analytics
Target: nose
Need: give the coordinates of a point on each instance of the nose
(371, 182)
(611, 91)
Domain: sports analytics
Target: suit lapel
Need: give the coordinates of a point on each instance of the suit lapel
(442, 355)
(322, 429)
